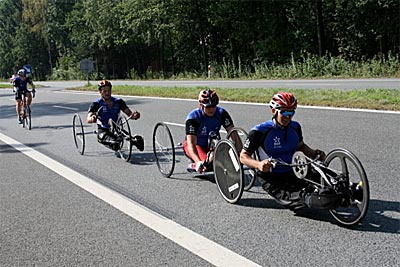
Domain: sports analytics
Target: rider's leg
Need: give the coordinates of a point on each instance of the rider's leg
(28, 95)
(108, 139)
(18, 108)
(201, 151)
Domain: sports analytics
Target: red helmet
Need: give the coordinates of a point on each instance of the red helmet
(104, 83)
(208, 98)
(283, 100)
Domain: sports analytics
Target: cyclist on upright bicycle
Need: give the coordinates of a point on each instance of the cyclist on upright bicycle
(20, 88)
(202, 124)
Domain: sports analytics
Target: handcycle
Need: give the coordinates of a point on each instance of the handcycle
(339, 181)
(164, 150)
(119, 128)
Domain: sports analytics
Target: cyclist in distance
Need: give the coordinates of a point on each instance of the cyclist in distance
(279, 138)
(202, 124)
(20, 88)
(108, 107)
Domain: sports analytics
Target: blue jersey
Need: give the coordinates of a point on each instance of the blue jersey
(271, 140)
(199, 124)
(105, 112)
(20, 84)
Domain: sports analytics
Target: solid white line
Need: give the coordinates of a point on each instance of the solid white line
(249, 103)
(195, 243)
(69, 108)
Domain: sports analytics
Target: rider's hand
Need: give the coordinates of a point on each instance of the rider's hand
(135, 115)
(265, 165)
(320, 154)
(93, 118)
(199, 166)
(33, 93)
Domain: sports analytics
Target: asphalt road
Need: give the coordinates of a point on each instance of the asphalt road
(58, 208)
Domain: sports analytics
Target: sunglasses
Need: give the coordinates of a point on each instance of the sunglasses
(286, 113)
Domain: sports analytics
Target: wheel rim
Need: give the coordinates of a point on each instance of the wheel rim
(228, 172)
(79, 136)
(123, 129)
(163, 149)
(353, 208)
(249, 176)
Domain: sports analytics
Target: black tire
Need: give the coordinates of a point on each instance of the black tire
(164, 149)
(27, 123)
(123, 130)
(228, 172)
(79, 134)
(250, 175)
(347, 164)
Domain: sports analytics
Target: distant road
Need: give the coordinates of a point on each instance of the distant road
(300, 84)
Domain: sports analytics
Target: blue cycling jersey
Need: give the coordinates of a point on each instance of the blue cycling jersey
(106, 112)
(271, 140)
(20, 84)
(199, 124)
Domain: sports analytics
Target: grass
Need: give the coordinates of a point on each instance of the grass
(379, 99)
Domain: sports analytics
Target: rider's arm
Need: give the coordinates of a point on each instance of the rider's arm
(91, 116)
(309, 152)
(191, 146)
(131, 114)
(246, 159)
(252, 143)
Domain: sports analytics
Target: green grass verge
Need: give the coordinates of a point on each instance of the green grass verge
(380, 99)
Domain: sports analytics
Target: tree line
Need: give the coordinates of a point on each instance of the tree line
(173, 38)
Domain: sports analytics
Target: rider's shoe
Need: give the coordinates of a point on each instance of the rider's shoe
(19, 120)
(357, 191)
(138, 141)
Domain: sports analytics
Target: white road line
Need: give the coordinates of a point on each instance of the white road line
(195, 243)
(69, 108)
(248, 103)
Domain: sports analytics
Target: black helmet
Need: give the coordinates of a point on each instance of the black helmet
(104, 83)
(208, 98)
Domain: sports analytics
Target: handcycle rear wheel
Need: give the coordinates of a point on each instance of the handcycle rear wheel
(352, 170)
(228, 172)
(164, 149)
(79, 134)
(250, 175)
(123, 130)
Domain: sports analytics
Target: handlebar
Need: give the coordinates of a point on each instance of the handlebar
(304, 160)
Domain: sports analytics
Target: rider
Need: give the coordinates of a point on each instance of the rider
(278, 138)
(202, 123)
(108, 107)
(20, 88)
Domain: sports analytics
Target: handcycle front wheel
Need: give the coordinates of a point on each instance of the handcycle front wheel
(27, 120)
(164, 149)
(228, 172)
(123, 130)
(250, 175)
(79, 134)
(357, 202)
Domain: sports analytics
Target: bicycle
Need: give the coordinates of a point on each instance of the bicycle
(164, 150)
(25, 113)
(120, 128)
(341, 174)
